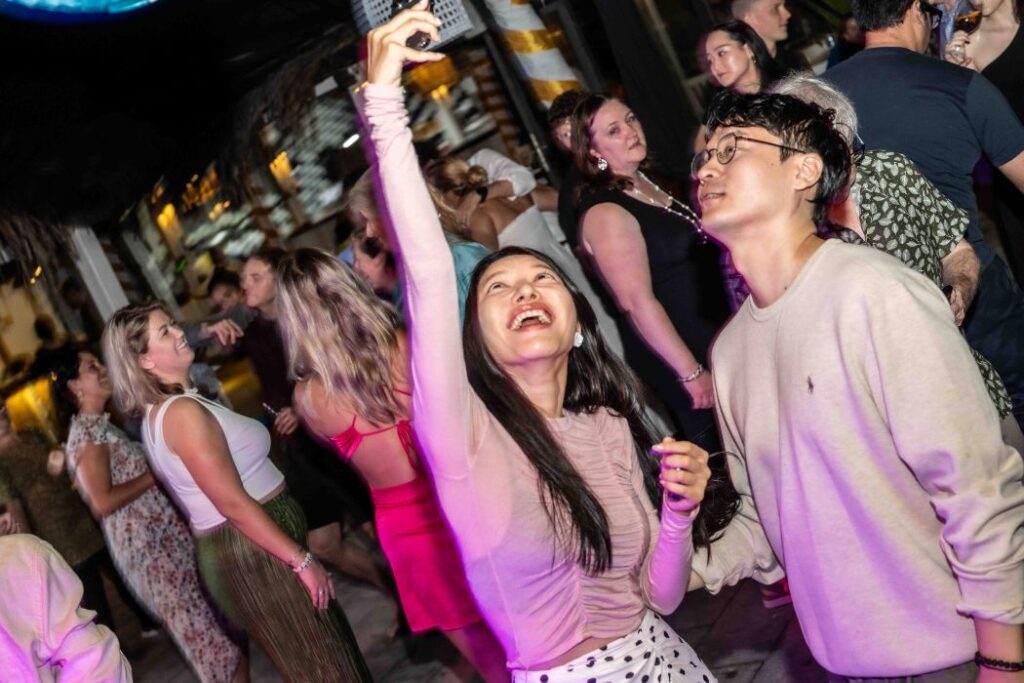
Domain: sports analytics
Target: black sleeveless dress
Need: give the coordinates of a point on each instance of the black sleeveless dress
(686, 278)
(1006, 74)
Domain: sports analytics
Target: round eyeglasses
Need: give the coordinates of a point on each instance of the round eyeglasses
(726, 150)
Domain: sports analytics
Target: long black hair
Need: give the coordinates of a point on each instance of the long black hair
(768, 70)
(63, 368)
(597, 378)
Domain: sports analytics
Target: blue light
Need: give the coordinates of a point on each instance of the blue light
(69, 10)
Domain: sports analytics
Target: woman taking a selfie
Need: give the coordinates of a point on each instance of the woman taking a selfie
(535, 440)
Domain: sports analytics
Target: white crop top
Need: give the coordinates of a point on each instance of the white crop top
(249, 443)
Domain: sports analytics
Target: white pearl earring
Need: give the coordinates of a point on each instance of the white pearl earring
(577, 340)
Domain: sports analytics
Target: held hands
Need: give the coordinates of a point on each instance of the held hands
(286, 421)
(701, 391)
(388, 52)
(684, 473)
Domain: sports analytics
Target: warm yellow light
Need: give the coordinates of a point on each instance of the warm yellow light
(281, 168)
(429, 76)
(167, 216)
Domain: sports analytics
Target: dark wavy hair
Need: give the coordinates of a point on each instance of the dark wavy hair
(563, 106)
(597, 378)
(272, 256)
(63, 368)
(593, 179)
(799, 124)
(767, 68)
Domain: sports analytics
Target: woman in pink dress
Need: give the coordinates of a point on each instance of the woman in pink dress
(346, 348)
(148, 540)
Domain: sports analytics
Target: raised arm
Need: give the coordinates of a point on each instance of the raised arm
(442, 397)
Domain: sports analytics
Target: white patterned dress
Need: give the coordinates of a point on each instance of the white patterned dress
(152, 548)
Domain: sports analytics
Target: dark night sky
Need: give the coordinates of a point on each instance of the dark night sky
(94, 113)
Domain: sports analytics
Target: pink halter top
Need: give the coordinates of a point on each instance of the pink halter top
(349, 441)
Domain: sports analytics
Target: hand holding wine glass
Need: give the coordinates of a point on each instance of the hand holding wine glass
(966, 22)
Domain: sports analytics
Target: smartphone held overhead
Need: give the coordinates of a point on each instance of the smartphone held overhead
(421, 39)
(370, 14)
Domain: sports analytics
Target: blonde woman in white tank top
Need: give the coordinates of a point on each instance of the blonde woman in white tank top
(248, 529)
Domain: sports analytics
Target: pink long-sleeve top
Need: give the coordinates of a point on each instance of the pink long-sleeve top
(532, 592)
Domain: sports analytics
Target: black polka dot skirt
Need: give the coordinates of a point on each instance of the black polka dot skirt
(654, 653)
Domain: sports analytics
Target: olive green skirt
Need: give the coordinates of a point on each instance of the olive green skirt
(261, 595)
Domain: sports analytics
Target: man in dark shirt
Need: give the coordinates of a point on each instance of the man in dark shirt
(944, 118)
(770, 20)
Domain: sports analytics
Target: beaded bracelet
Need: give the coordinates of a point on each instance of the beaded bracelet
(693, 375)
(306, 561)
(997, 664)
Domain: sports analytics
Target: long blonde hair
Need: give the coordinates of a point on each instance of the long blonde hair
(335, 329)
(125, 338)
(362, 205)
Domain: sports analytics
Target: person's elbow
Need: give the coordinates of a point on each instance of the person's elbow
(637, 304)
(666, 601)
(1014, 171)
(237, 508)
(101, 509)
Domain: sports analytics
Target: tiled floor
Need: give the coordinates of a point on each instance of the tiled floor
(738, 638)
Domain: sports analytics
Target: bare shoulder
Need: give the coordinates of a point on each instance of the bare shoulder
(183, 419)
(323, 414)
(608, 216)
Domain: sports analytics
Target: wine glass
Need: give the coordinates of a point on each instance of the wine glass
(967, 19)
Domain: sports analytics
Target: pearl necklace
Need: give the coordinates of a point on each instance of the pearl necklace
(687, 214)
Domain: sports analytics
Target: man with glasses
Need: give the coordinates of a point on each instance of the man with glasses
(858, 430)
(943, 118)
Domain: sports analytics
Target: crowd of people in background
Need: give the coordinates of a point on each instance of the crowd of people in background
(536, 419)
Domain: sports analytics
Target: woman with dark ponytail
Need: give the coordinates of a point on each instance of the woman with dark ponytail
(536, 443)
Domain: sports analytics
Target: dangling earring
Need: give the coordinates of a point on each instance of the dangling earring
(577, 340)
(602, 164)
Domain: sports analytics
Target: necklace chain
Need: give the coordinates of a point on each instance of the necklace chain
(686, 214)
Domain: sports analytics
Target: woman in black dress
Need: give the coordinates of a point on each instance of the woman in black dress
(664, 278)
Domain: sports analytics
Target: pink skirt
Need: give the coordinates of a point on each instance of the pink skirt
(428, 571)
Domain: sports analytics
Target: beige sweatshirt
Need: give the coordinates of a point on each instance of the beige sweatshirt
(862, 439)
